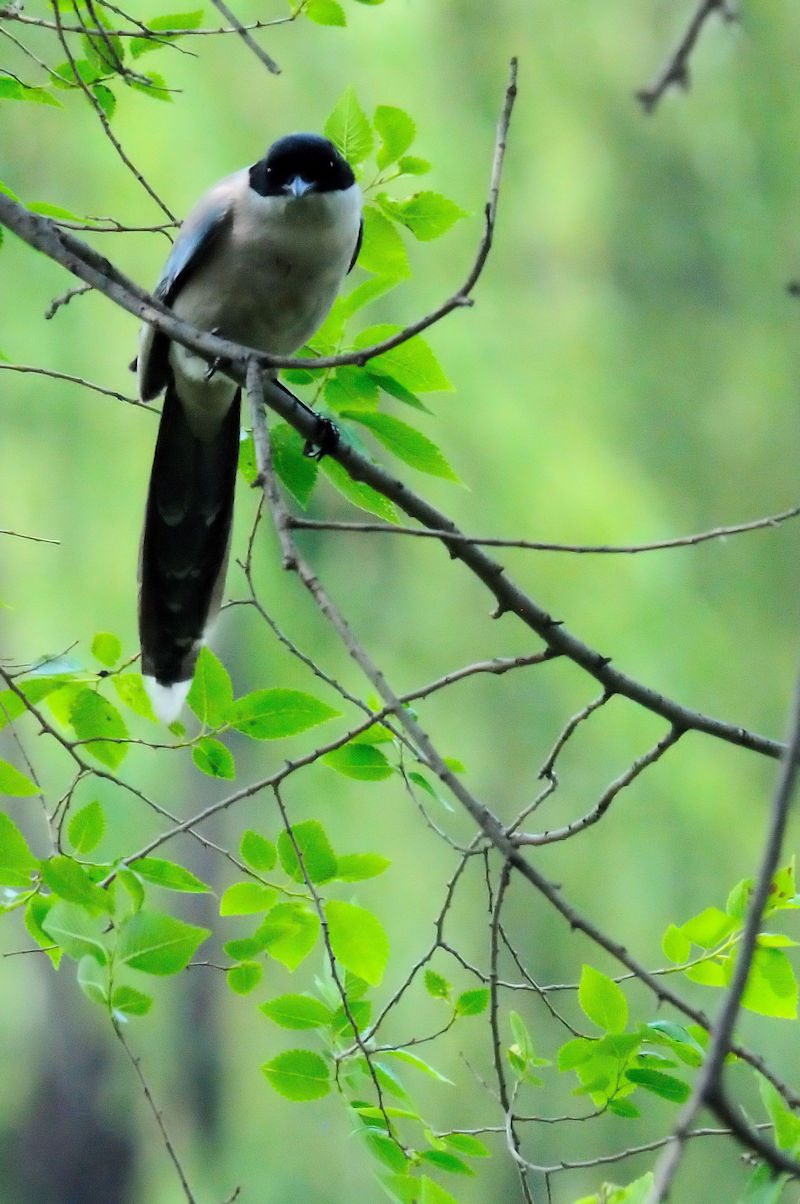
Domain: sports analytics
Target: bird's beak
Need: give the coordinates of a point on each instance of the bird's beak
(297, 187)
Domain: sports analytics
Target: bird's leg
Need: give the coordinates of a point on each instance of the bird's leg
(219, 362)
(325, 437)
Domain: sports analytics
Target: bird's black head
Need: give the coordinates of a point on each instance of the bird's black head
(307, 158)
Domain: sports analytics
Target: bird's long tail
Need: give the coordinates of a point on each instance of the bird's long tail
(184, 553)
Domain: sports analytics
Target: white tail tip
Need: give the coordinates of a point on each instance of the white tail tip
(167, 700)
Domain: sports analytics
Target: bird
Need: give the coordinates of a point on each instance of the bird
(259, 260)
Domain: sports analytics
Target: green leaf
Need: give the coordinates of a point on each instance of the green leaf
(403, 1055)
(298, 1074)
(412, 165)
(211, 693)
(243, 948)
(623, 1108)
(349, 130)
(360, 1015)
(297, 472)
(412, 363)
(69, 880)
(711, 973)
(738, 899)
(472, 1003)
(763, 1187)
(273, 714)
(106, 648)
(318, 856)
(325, 12)
(213, 758)
(465, 1143)
(11, 707)
(157, 943)
(357, 940)
(771, 988)
(355, 867)
(258, 852)
(602, 1000)
(105, 98)
(17, 862)
(676, 944)
(297, 1011)
(365, 292)
(77, 932)
(436, 986)
(361, 761)
(14, 89)
(168, 874)
(131, 691)
(246, 898)
(358, 493)
(131, 1002)
(92, 716)
(434, 1193)
(85, 829)
(382, 249)
(784, 1122)
(709, 928)
(14, 783)
(244, 978)
(289, 932)
(396, 130)
(384, 1148)
(93, 980)
(664, 1085)
(405, 442)
(446, 1162)
(427, 215)
(171, 21)
(36, 909)
(154, 86)
(575, 1053)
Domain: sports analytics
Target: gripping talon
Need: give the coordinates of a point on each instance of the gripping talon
(324, 440)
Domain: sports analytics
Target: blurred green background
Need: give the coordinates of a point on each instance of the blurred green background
(629, 372)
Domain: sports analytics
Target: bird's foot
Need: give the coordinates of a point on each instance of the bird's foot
(324, 440)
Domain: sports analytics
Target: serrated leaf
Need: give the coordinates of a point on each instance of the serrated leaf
(69, 880)
(105, 98)
(358, 493)
(130, 1001)
(771, 988)
(465, 1143)
(355, 867)
(575, 1053)
(171, 21)
(131, 691)
(711, 973)
(384, 1148)
(106, 648)
(408, 444)
(708, 928)
(14, 783)
(349, 130)
(412, 363)
(412, 165)
(446, 1162)
(76, 931)
(436, 986)
(213, 758)
(258, 852)
(361, 761)
(36, 909)
(382, 249)
(11, 707)
(434, 1193)
(403, 1055)
(396, 130)
(157, 943)
(168, 874)
(602, 1000)
(273, 714)
(360, 1014)
(246, 898)
(297, 472)
(289, 932)
(664, 1085)
(319, 858)
(298, 1074)
(472, 1003)
(17, 862)
(676, 944)
(14, 89)
(427, 215)
(784, 1122)
(297, 1011)
(85, 829)
(357, 940)
(245, 977)
(92, 716)
(211, 693)
(325, 12)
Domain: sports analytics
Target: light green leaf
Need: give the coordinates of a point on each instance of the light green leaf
(427, 215)
(131, 1002)
(69, 880)
(106, 648)
(158, 943)
(349, 130)
(211, 693)
(85, 829)
(365, 292)
(358, 493)
(357, 940)
(11, 707)
(325, 12)
(297, 1011)
(36, 909)
(446, 1162)
(602, 1000)
(355, 867)
(93, 980)
(711, 973)
(171, 21)
(92, 716)
(318, 856)
(14, 783)
(472, 1003)
(13, 89)
(273, 714)
(77, 932)
(382, 250)
(17, 862)
(108, 103)
(784, 1121)
(168, 874)
(771, 988)
(709, 928)
(412, 165)
(676, 944)
(213, 758)
(575, 1052)
(298, 1074)
(403, 1055)
(384, 1148)
(405, 442)
(361, 761)
(245, 977)
(436, 986)
(434, 1193)
(131, 691)
(247, 898)
(258, 852)
(396, 130)
(465, 1143)
(289, 932)
(763, 1187)
(412, 364)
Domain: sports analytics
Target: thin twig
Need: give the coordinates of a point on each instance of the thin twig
(247, 37)
(676, 71)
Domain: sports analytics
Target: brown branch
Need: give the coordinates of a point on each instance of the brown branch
(247, 38)
(676, 71)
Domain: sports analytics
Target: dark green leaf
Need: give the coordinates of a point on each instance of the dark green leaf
(92, 716)
(664, 1085)
(213, 758)
(436, 985)
(361, 761)
(472, 1003)
(412, 363)
(297, 472)
(273, 714)
(405, 442)
(131, 1002)
(446, 1162)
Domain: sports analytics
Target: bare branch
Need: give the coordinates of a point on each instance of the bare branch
(676, 72)
(246, 37)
